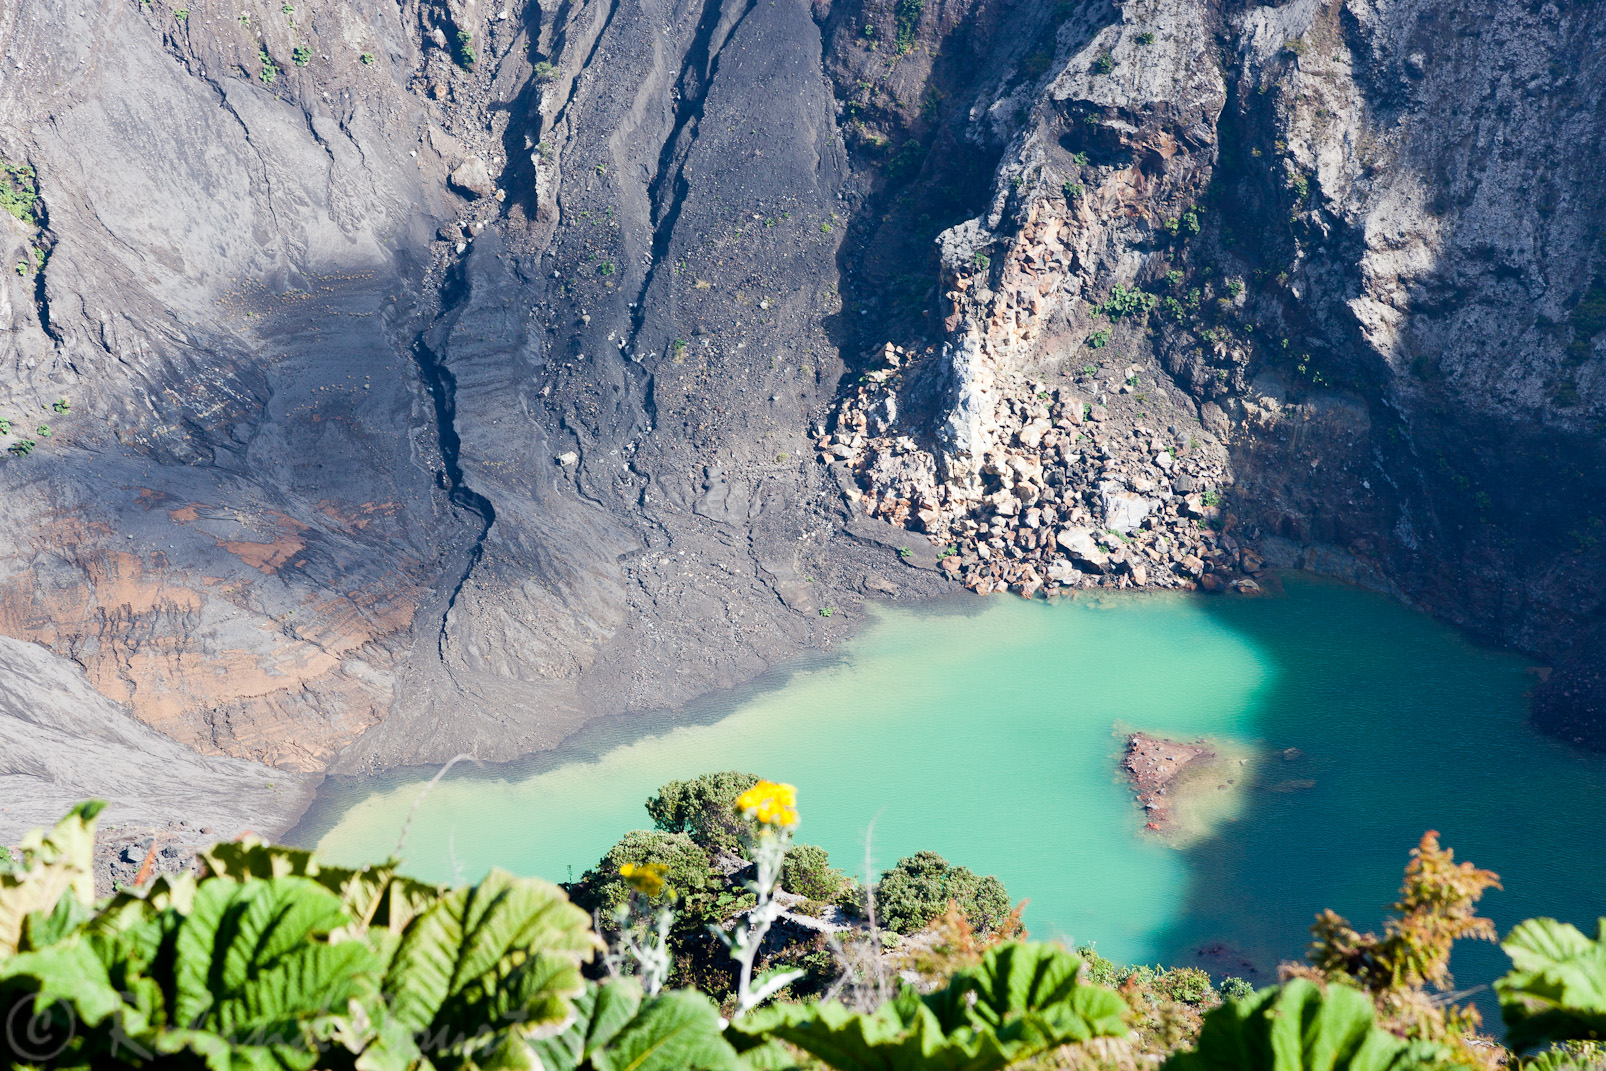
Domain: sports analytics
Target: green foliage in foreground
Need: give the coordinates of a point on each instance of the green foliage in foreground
(274, 961)
(1298, 1027)
(1021, 1000)
(1557, 989)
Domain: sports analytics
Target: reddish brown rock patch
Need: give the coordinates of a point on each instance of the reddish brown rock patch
(1153, 765)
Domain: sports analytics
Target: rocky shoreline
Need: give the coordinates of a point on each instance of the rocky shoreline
(1083, 487)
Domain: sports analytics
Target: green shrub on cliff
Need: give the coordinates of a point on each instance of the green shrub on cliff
(808, 872)
(701, 809)
(920, 887)
(687, 878)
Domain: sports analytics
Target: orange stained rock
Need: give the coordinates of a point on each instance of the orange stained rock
(267, 557)
(144, 641)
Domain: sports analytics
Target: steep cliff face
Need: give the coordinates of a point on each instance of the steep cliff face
(1364, 240)
(390, 379)
(407, 366)
(1445, 266)
(227, 526)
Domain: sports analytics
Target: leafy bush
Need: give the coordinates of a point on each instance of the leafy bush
(920, 886)
(1127, 301)
(808, 872)
(1185, 985)
(687, 874)
(907, 18)
(1235, 988)
(19, 193)
(907, 161)
(1185, 225)
(701, 808)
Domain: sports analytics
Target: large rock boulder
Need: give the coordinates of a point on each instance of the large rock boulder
(1123, 510)
(473, 178)
(1078, 545)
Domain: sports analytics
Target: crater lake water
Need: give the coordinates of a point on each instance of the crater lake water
(992, 732)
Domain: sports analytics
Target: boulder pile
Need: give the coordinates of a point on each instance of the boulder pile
(1075, 490)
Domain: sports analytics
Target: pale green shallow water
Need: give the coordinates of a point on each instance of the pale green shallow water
(993, 737)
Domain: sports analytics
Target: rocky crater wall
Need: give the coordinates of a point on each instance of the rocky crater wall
(408, 378)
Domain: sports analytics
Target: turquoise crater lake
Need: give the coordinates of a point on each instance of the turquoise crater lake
(993, 734)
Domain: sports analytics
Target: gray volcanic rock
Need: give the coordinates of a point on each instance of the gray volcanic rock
(302, 483)
(472, 178)
(232, 525)
(61, 742)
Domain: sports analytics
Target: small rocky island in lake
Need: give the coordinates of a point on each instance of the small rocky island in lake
(1153, 764)
(1184, 788)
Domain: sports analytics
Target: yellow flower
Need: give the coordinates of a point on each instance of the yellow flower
(647, 879)
(769, 804)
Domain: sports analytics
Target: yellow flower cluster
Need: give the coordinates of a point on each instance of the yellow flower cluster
(769, 804)
(647, 879)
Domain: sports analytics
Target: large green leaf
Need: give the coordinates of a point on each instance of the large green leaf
(372, 895)
(902, 1035)
(1020, 989)
(1022, 999)
(1298, 1027)
(54, 862)
(38, 988)
(252, 967)
(503, 953)
(679, 1029)
(615, 1029)
(1556, 989)
(599, 1013)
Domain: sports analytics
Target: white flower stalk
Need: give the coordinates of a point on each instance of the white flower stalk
(647, 945)
(772, 811)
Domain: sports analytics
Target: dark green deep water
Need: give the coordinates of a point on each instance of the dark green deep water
(994, 737)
